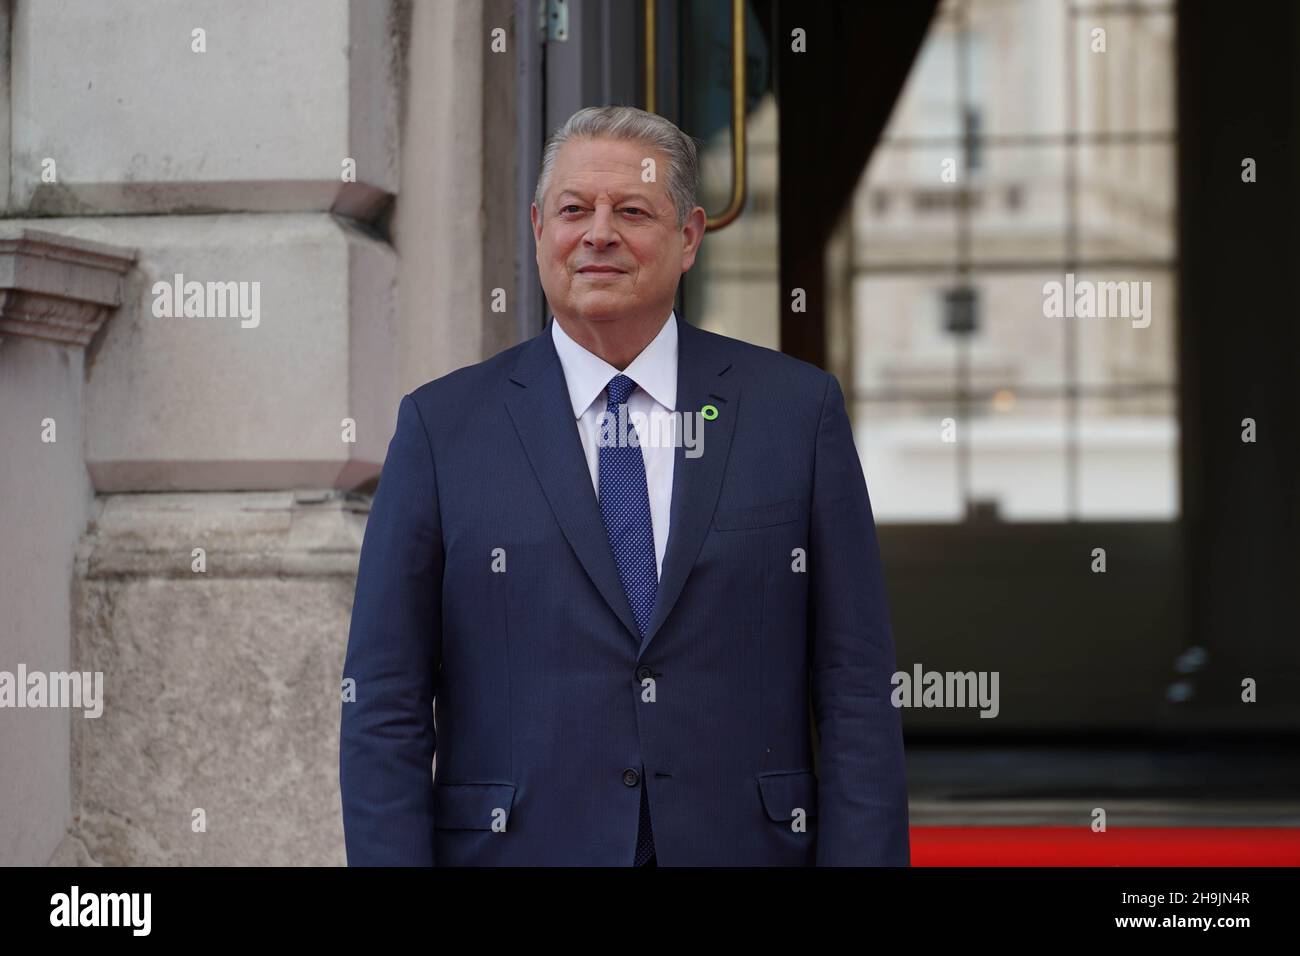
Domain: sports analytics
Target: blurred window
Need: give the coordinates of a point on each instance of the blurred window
(1033, 145)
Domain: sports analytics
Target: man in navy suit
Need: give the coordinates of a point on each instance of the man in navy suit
(616, 577)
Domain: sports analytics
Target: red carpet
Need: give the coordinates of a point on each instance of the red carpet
(1079, 846)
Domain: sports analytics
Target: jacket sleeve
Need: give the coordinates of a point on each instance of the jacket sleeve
(862, 786)
(387, 739)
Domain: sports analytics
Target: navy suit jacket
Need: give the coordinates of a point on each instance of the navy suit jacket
(490, 628)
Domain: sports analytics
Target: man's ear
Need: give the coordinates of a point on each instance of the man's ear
(693, 235)
(536, 218)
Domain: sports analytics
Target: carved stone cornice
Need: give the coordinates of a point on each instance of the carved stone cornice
(56, 287)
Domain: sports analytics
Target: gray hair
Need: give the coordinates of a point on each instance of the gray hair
(630, 123)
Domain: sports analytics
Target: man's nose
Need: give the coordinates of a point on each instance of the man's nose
(602, 230)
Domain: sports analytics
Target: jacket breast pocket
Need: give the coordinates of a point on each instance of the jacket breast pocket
(762, 516)
(786, 792)
(472, 806)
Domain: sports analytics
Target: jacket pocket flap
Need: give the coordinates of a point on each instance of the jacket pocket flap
(735, 519)
(471, 806)
(786, 791)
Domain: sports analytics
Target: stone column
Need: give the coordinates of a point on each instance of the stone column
(55, 296)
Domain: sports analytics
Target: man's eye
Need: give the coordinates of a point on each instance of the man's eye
(634, 209)
(568, 207)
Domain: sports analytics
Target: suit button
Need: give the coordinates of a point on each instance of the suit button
(631, 777)
(643, 672)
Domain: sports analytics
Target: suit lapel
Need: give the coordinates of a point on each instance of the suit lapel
(543, 417)
(701, 380)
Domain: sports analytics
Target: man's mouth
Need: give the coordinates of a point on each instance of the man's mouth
(599, 270)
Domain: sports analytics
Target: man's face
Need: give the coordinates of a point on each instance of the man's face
(608, 244)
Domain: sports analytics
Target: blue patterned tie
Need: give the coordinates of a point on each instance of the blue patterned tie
(625, 508)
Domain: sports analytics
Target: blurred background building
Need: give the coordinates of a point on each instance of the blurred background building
(891, 187)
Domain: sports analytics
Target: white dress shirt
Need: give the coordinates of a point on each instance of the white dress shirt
(655, 372)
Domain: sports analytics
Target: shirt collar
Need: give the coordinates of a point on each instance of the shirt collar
(587, 374)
